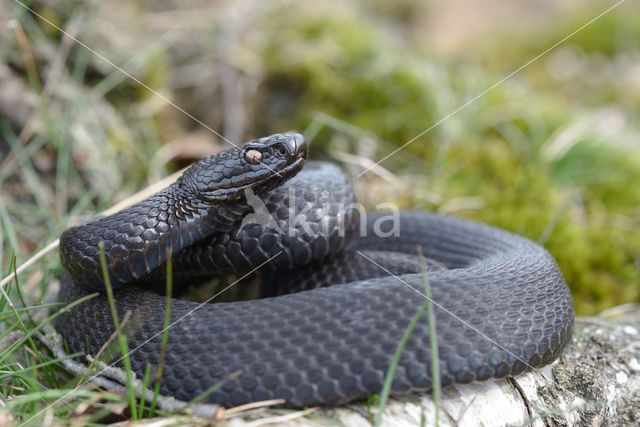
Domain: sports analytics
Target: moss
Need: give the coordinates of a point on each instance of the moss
(347, 69)
(594, 252)
(609, 34)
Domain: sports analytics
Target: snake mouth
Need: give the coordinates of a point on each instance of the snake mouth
(278, 177)
(270, 181)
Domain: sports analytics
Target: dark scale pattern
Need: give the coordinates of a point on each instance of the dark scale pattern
(206, 201)
(502, 307)
(345, 267)
(320, 227)
(136, 239)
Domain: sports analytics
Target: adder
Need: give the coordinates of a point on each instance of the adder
(339, 287)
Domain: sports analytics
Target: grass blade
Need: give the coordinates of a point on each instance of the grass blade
(425, 308)
(436, 387)
(165, 334)
(120, 338)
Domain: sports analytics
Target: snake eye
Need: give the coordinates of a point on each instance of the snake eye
(252, 157)
(281, 149)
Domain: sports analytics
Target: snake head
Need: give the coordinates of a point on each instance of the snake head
(259, 165)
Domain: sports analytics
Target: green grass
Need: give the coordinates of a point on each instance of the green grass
(165, 337)
(121, 338)
(425, 311)
(551, 154)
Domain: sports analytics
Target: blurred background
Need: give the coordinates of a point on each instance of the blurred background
(552, 152)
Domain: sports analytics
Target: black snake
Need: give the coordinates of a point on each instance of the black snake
(338, 294)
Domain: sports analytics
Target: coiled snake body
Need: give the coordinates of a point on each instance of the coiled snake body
(501, 303)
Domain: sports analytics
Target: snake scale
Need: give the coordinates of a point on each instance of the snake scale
(339, 288)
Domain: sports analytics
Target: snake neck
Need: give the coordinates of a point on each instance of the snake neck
(153, 229)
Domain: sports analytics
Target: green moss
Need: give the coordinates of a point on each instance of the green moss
(595, 251)
(348, 70)
(614, 32)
